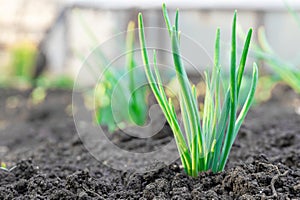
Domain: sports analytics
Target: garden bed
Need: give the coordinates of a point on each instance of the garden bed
(51, 162)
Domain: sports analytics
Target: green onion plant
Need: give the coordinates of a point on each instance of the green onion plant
(205, 143)
(287, 71)
(137, 105)
(104, 91)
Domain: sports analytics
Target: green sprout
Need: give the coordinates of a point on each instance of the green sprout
(205, 143)
(137, 104)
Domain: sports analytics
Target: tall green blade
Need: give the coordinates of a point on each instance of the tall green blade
(167, 108)
(233, 98)
(187, 96)
(243, 60)
(129, 54)
(249, 100)
(167, 19)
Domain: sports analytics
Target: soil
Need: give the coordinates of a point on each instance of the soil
(48, 160)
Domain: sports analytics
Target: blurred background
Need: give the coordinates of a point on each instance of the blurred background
(49, 38)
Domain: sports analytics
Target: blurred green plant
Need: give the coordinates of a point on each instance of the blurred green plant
(109, 87)
(289, 73)
(22, 59)
(263, 93)
(18, 69)
(55, 82)
(3, 165)
(293, 13)
(38, 95)
(204, 144)
(284, 70)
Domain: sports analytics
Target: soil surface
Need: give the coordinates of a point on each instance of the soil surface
(47, 160)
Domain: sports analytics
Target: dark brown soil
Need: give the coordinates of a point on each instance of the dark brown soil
(48, 160)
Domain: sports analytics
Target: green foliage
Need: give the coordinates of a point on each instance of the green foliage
(18, 71)
(22, 60)
(205, 143)
(38, 95)
(59, 82)
(109, 87)
(263, 93)
(137, 104)
(293, 13)
(288, 72)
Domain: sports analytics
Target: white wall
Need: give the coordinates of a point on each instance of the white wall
(200, 26)
(198, 20)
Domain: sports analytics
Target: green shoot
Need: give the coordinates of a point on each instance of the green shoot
(205, 143)
(137, 104)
